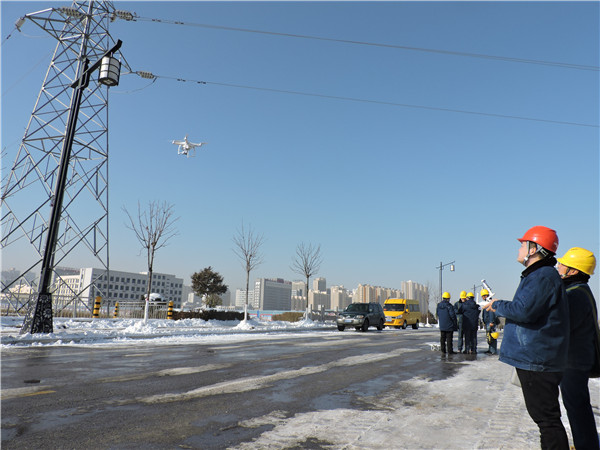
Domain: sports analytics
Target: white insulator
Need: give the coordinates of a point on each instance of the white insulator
(143, 74)
(125, 15)
(19, 23)
(70, 12)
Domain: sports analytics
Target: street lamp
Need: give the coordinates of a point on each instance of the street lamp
(39, 316)
(441, 267)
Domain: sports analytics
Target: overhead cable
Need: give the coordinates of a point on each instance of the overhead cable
(376, 44)
(363, 100)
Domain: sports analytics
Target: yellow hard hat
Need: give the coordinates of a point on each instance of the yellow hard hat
(484, 292)
(580, 259)
(446, 295)
(470, 294)
(463, 294)
(495, 334)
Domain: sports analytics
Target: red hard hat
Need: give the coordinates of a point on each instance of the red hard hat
(543, 236)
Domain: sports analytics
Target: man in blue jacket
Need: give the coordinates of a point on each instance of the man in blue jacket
(575, 269)
(536, 334)
(470, 311)
(459, 319)
(447, 323)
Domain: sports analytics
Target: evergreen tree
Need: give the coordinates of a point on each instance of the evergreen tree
(208, 283)
(213, 300)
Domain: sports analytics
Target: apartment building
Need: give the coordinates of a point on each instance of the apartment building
(365, 293)
(320, 284)
(319, 300)
(339, 297)
(416, 291)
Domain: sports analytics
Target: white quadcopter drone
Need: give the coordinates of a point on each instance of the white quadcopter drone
(186, 147)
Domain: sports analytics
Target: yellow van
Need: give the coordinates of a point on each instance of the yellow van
(400, 312)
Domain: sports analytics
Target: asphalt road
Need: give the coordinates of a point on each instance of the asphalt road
(200, 395)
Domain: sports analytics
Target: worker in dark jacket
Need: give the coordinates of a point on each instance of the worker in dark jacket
(575, 269)
(447, 323)
(536, 334)
(470, 311)
(490, 321)
(459, 319)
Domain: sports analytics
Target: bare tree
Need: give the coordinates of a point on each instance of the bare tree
(247, 248)
(307, 262)
(153, 228)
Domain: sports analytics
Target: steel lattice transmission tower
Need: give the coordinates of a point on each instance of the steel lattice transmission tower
(29, 189)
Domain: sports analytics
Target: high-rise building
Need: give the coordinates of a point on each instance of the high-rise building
(416, 291)
(298, 302)
(366, 293)
(273, 294)
(319, 284)
(318, 300)
(298, 288)
(340, 297)
(382, 294)
(240, 298)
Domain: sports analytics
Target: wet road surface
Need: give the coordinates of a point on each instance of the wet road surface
(201, 395)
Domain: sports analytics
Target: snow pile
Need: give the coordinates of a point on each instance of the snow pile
(68, 331)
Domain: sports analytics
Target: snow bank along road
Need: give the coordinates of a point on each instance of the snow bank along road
(319, 389)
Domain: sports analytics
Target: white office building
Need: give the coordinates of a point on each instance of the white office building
(115, 286)
(273, 294)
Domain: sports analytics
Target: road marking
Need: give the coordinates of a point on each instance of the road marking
(24, 392)
(260, 382)
(165, 373)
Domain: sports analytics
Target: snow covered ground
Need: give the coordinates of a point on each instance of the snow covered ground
(477, 408)
(134, 331)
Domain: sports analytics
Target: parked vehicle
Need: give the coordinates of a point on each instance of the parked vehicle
(400, 312)
(361, 316)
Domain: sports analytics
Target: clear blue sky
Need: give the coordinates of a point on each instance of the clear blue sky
(388, 191)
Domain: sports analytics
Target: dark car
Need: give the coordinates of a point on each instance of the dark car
(361, 316)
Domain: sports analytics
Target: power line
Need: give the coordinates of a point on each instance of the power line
(149, 75)
(376, 44)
